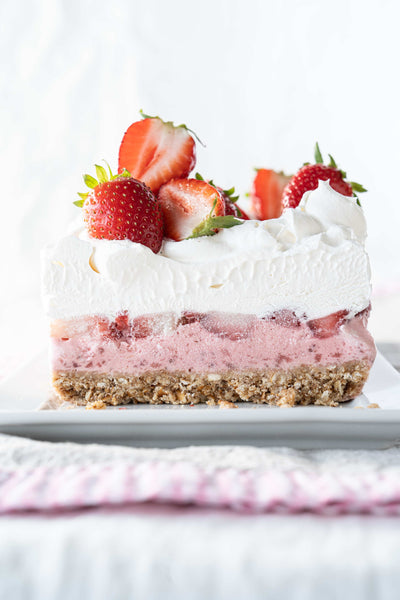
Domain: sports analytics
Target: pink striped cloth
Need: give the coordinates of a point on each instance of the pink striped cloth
(39, 476)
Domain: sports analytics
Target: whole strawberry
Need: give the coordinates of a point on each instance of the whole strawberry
(119, 207)
(309, 175)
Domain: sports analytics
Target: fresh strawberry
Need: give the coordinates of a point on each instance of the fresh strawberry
(230, 200)
(121, 208)
(308, 176)
(266, 195)
(185, 203)
(327, 326)
(155, 151)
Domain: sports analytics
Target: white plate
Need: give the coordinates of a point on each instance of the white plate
(351, 425)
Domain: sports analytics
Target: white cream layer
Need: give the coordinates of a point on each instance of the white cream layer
(311, 260)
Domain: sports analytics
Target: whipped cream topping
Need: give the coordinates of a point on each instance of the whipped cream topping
(311, 260)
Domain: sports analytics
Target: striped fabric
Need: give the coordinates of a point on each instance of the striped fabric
(183, 482)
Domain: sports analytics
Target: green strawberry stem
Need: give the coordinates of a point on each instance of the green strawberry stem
(356, 187)
(144, 116)
(318, 155)
(102, 177)
(229, 193)
(332, 162)
(212, 223)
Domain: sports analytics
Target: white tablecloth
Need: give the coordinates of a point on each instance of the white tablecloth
(162, 553)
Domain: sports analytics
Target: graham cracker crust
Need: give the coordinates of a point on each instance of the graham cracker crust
(327, 385)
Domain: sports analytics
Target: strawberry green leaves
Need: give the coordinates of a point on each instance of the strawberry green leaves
(356, 187)
(101, 174)
(318, 155)
(211, 224)
(102, 177)
(90, 181)
(228, 193)
(332, 162)
(79, 203)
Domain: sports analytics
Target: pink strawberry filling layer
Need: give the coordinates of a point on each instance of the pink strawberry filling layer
(212, 342)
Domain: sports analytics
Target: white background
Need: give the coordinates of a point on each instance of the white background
(259, 81)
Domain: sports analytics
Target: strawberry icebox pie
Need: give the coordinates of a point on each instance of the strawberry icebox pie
(169, 293)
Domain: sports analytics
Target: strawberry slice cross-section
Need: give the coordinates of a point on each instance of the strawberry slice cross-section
(155, 151)
(327, 326)
(187, 202)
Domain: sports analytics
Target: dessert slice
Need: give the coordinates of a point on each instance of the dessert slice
(174, 299)
(199, 357)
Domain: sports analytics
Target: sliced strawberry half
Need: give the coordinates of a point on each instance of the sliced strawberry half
(187, 202)
(266, 194)
(329, 325)
(155, 151)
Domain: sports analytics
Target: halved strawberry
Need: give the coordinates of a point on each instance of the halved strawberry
(185, 203)
(266, 194)
(155, 151)
(329, 325)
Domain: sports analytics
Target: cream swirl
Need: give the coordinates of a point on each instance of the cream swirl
(311, 260)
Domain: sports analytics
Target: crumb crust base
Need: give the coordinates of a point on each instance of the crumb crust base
(303, 385)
